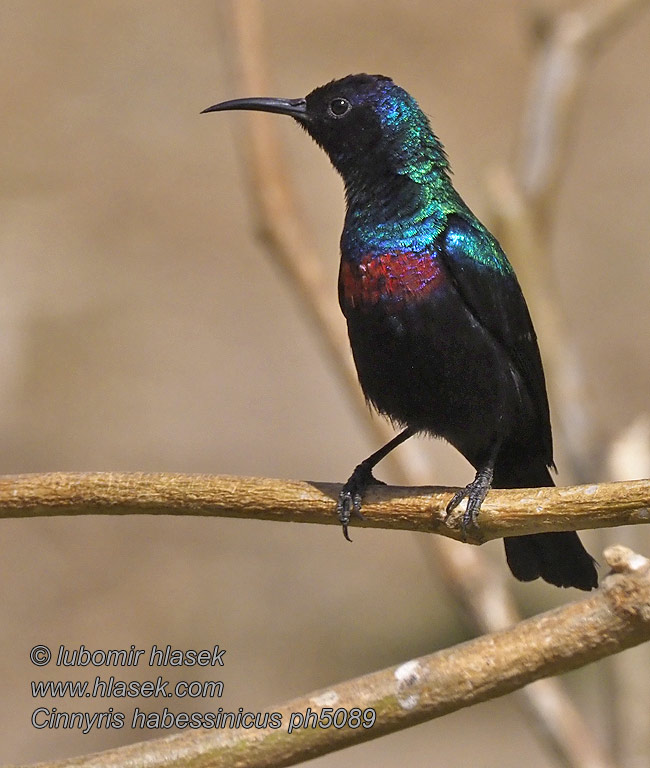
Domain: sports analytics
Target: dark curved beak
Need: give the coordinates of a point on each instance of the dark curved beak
(293, 107)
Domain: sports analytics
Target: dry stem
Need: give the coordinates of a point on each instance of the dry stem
(616, 617)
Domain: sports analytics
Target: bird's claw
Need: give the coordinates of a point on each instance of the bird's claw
(475, 493)
(349, 504)
(351, 496)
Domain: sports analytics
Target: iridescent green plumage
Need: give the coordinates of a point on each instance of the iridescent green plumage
(411, 205)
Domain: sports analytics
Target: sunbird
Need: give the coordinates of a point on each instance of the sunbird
(441, 336)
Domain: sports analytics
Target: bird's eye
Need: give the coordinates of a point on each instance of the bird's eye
(339, 107)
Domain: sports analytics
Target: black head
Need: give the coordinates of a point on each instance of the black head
(360, 121)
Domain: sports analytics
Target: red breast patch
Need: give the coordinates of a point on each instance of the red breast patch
(388, 277)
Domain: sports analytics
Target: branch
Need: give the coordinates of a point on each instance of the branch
(504, 512)
(615, 617)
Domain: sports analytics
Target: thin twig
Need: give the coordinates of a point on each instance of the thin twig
(569, 42)
(504, 513)
(523, 201)
(614, 618)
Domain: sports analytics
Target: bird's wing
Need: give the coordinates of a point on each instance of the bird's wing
(487, 284)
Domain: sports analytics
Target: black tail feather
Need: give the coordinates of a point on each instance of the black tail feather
(558, 558)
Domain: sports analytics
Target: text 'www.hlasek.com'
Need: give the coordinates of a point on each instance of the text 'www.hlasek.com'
(157, 687)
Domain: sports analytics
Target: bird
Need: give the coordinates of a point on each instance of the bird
(441, 336)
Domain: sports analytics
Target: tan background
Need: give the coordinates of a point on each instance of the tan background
(142, 328)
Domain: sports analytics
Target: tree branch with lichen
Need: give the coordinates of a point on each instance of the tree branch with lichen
(615, 617)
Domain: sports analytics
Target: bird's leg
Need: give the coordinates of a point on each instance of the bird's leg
(351, 495)
(475, 493)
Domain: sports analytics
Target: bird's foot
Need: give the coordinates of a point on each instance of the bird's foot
(475, 493)
(351, 496)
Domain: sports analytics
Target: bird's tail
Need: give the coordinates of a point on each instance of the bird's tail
(558, 558)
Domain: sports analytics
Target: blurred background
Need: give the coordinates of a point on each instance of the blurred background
(144, 328)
